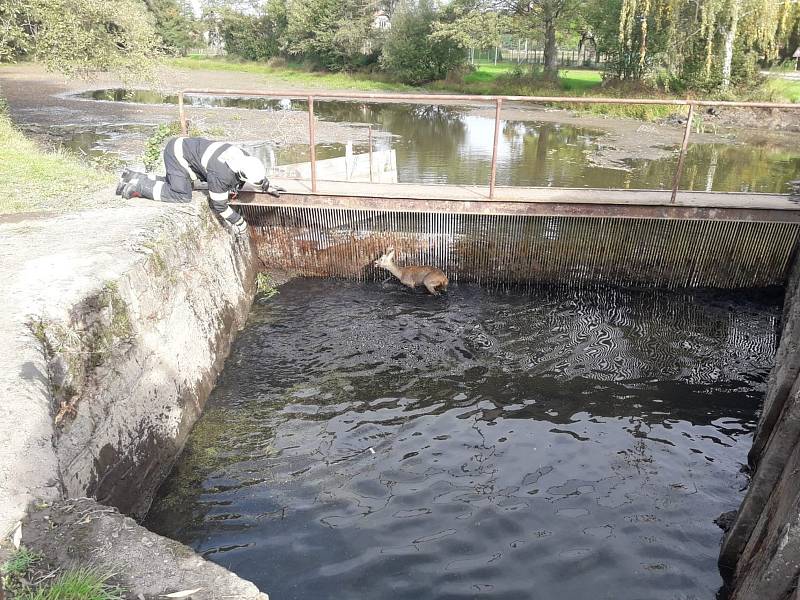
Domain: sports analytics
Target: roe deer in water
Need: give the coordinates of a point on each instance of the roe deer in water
(432, 278)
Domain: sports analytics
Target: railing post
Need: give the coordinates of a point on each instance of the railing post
(682, 155)
(182, 115)
(370, 153)
(312, 143)
(498, 105)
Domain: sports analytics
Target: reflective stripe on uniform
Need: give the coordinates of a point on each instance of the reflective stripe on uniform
(232, 154)
(226, 213)
(209, 153)
(151, 176)
(182, 159)
(157, 190)
(219, 196)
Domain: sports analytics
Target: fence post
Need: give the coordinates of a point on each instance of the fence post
(498, 105)
(312, 143)
(182, 115)
(370, 153)
(682, 156)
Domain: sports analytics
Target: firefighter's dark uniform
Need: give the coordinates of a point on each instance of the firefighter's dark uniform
(187, 160)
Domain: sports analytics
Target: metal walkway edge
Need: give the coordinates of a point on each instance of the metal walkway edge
(535, 201)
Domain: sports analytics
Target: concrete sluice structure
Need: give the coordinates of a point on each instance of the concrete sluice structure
(585, 237)
(529, 236)
(108, 375)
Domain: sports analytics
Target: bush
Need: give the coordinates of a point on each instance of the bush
(253, 37)
(410, 54)
(332, 34)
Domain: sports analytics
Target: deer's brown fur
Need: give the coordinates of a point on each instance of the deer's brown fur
(432, 278)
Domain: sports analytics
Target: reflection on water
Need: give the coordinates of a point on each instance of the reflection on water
(446, 144)
(368, 442)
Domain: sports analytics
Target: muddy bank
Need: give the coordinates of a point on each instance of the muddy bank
(45, 106)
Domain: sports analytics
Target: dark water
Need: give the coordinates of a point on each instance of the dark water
(368, 442)
(446, 144)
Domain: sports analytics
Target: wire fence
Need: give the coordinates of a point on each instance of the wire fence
(524, 54)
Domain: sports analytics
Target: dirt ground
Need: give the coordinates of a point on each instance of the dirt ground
(42, 104)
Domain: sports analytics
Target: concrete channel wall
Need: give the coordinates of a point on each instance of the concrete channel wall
(117, 322)
(761, 551)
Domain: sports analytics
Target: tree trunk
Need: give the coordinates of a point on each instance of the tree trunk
(730, 38)
(550, 49)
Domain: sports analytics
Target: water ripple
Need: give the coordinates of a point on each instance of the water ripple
(367, 442)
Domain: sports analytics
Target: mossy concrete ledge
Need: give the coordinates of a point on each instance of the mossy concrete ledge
(116, 324)
(145, 565)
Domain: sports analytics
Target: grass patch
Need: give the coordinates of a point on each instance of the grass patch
(485, 79)
(79, 584)
(19, 563)
(296, 75)
(35, 180)
(266, 287)
(783, 90)
(580, 80)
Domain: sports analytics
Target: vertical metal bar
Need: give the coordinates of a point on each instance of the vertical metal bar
(182, 115)
(498, 105)
(312, 143)
(370, 153)
(682, 156)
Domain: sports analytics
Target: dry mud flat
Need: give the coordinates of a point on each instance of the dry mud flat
(44, 104)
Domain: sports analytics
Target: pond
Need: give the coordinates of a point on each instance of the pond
(365, 441)
(448, 144)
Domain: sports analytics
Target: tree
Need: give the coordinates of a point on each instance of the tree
(413, 52)
(15, 38)
(332, 33)
(550, 16)
(258, 36)
(175, 24)
(469, 26)
(81, 37)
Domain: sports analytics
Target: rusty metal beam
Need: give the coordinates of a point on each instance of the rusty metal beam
(524, 207)
(312, 143)
(682, 156)
(498, 107)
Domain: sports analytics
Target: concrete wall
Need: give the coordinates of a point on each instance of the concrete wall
(761, 551)
(153, 343)
(117, 323)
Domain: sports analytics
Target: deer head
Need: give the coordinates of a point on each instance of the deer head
(386, 260)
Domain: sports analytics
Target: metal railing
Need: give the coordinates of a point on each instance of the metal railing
(498, 102)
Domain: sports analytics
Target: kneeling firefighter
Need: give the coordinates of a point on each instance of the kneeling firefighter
(224, 166)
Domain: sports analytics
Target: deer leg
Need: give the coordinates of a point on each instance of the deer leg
(432, 289)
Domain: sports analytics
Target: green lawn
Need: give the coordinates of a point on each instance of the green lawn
(294, 75)
(37, 180)
(580, 79)
(783, 90)
(576, 80)
(480, 81)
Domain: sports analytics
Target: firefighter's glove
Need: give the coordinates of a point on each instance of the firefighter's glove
(272, 190)
(240, 227)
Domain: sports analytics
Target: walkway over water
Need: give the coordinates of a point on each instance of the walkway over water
(524, 235)
(576, 202)
(529, 235)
